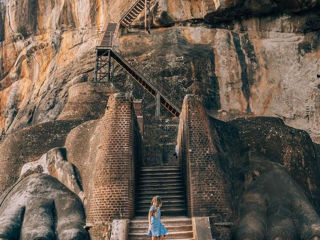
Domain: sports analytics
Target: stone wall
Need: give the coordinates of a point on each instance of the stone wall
(112, 192)
(208, 189)
(160, 141)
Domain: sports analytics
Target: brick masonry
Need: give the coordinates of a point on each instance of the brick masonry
(207, 187)
(112, 191)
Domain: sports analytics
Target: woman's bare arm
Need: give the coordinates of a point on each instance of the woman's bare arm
(149, 218)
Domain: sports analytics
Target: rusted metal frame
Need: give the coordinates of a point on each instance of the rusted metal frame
(109, 65)
(145, 15)
(158, 104)
(107, 39)
(146, 84)
(101, 63)
(130, 9)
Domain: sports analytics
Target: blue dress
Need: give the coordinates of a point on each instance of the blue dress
(157, 227)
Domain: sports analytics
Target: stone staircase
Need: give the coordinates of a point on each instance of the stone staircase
(165, 181)
(179, 228)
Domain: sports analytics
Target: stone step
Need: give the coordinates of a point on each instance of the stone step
(164, 184)
(166, 238)
(169, 212)
(160, 178)
(159, 181)
(167, 209)
(162, 187)
(160, 174)
(163, 195)
(167, 200)
(164, 202)
(177, 228)
(164, 211)
(164, 176)
(172, 221)
(164, 208)
(163, 198)
(160, 192)
(160, 169)
(170, 235)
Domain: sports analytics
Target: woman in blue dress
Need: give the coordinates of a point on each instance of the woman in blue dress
(156, 229)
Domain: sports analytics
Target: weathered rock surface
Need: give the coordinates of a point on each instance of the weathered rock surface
(264, 65)
(28, 145)
(55, 164)
(40, 207)
(86, 101)
(292, 148)
(244, 58)
(83, 142)
(217, 10)
(252, 69)
(271, 170)
(274, 206)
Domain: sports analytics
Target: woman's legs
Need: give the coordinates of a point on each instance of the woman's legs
(154, 238)
(162, 237)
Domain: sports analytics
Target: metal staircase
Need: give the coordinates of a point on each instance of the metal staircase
(109, 34)
(134, 12)
(105, 54)
(103, 69)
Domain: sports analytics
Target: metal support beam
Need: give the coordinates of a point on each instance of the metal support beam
(158, 105)
(145, 15)
(96, 69)
(106, 57)
(109, 66)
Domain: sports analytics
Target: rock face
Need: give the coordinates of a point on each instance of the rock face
(40, 198)
(244, 57)
(264, 178)
(255, 172)
(113, 142)
(252, 69)
(55, 164)
(274, 206)
(219, 10)
(287, 146)
(247, 58)
(29, 145)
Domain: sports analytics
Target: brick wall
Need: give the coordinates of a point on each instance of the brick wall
(112, 191)
(208, 189)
